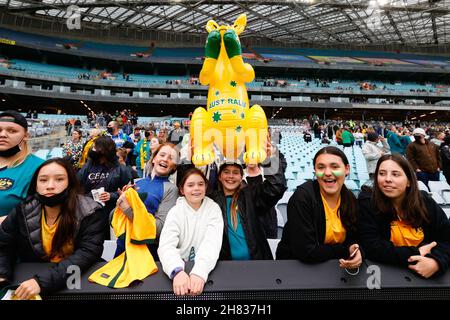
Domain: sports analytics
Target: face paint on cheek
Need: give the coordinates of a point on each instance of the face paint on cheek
(337, 173)
(319, 174)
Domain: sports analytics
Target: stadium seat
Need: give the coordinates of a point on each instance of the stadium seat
(42, 153)
(422, 186)
(437, 197)
(56, 153)
(273, 243)
(438, 186)
(281, 206)
(447, 212)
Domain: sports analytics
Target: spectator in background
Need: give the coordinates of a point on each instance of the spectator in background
(162, 134)
(424, 157)
(176, 135)
(127, 128)
(372, 151)
(142, 153)
(73, 148)
(93, 135)
(131, 158)
(439, 138)
(445, 158)
(347, 138)
(55, 225)
(330, 131)
(359, 137)
(122, 155)
(339, 136)
(35, 114)
(394, 141)
(17, 164)
(307, 136)
(77, 123)
(117, 135)
(136, 136)
(406, 138)
(104, 171)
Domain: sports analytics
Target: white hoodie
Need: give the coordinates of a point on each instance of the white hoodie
(190, 234)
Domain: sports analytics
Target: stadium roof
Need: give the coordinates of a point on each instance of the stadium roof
(295, 22)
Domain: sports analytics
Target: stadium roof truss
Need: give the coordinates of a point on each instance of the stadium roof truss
(330, 22)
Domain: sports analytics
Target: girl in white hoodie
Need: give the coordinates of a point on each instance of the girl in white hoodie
(193, 231)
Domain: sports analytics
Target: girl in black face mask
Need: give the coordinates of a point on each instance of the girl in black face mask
(17, 165)
(55, 224)
(103, 173)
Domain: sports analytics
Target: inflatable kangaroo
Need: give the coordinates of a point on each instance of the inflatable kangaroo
(228, 122)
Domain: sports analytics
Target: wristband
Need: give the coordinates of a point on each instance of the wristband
(175, 271)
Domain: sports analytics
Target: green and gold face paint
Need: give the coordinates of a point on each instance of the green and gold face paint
(336, 173)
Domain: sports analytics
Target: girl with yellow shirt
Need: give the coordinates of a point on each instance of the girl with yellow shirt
(55, 225)
(321, 215)
(400, 224)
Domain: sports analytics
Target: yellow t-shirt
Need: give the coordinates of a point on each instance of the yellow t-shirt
(47, 238)
(335, 232)
(403, 234)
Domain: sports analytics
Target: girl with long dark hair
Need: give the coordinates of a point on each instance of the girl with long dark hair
(244, 237)
(322, 215)
(54, 224)
(402, 225)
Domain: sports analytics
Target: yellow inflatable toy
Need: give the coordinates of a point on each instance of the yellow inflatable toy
(228, 122)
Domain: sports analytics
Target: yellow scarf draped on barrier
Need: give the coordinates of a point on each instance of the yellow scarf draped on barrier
(136, 263)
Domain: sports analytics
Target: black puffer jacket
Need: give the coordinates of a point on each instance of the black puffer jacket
(21, 239)
(253, 202)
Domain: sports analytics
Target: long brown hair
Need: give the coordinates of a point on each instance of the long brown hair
(412, 204)
(348, 207)
(65, 232)
(234, 206)
(189, 173)
(106, 149)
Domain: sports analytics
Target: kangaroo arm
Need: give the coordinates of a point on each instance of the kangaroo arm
(244, 71)
(207, 72)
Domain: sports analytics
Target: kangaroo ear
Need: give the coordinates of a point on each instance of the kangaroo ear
(240, 23)
(211, 25)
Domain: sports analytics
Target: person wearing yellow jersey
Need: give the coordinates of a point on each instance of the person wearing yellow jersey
(55, 225)
(322, 216)
(402, 225)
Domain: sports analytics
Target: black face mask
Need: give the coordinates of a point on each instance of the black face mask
(52, 201)
(417, 138)
(110, 130)
(10, 152)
